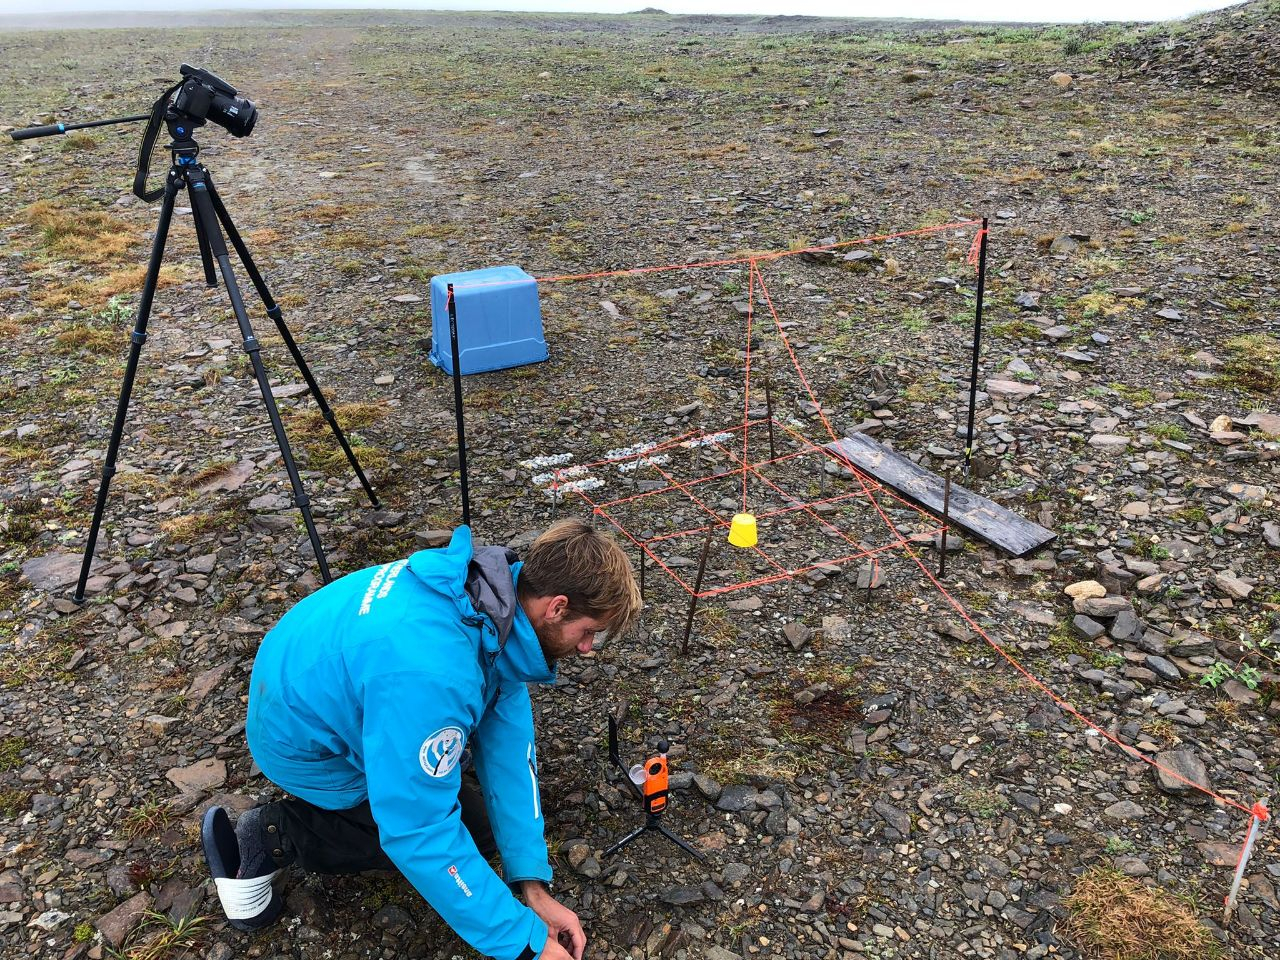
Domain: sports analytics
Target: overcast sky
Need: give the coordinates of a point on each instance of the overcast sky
(1055, 10)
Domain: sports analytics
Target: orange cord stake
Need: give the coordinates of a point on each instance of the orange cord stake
(1260, 815)
(651, 783)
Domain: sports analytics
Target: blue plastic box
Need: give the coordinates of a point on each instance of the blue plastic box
(499, 320)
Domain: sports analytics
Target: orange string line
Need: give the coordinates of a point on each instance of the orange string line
(1259, 810)
(738, 261)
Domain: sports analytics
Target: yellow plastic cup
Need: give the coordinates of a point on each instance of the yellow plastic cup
(742, 531)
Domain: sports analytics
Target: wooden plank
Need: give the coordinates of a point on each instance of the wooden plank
(970, 512)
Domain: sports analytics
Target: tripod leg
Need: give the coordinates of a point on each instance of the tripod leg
(638, 831)
(202, 209)
(274, 312)
(680, 842)
(138, 338)
(206, 255)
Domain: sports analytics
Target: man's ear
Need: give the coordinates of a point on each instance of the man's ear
(557, 608)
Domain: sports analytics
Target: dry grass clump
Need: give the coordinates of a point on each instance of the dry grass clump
(88, 338)
(95, 294)
(311, 425)
(1114, 917)
(89, 236)
(1254, 362)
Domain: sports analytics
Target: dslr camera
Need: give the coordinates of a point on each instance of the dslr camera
(205, 96)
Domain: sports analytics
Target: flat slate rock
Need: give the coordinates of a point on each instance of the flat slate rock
(54, 571)
(972, 513)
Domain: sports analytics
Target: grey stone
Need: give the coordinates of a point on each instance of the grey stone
(736, 798)
(1087, 627)
(1232, 586)
(201, 776)
(709, 788)
(1131, 866)
(1164, 668)
(117, 924)
(681, 896)
(1125, 625)
(896, 818)
(797, 634)
(1011, 389)
(1102, 606)
(1188, 766)
(1124, 810)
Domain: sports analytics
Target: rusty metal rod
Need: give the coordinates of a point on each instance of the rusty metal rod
(697, 588)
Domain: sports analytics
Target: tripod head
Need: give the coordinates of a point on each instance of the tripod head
(200, 96)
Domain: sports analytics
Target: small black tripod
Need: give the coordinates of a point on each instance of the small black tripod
(653, 795)
(211, 217)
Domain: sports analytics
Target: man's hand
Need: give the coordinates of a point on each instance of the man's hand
(553, 951)
(564, 931)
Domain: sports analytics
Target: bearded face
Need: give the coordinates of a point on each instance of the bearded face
(565, 636)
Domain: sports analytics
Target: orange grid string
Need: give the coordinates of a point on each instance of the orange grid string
(975, 248)
(1014, 662)
(750, 258)
(727, 262)
(806, 507)
(1259, 811)
(715, 516)
(1036, 681)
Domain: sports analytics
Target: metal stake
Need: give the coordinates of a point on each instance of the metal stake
(457, 407)
(697, 588)
(768, 412)
(1259, 815)
(946, 521)
(977, 346)
(642, 568)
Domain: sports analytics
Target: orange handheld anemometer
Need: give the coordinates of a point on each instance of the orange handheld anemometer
(655, 780)
(651, 782)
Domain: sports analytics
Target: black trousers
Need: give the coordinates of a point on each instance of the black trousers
(346, 841)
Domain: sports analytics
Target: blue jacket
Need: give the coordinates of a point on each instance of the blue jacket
(373, 687)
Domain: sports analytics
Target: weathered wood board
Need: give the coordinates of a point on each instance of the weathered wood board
(970, 512)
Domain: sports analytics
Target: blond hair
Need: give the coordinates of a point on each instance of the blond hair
(574, 559)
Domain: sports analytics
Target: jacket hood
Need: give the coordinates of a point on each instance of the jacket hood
(482, 582)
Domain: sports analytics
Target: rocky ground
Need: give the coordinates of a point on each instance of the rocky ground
(1234, 48)
(865, 774)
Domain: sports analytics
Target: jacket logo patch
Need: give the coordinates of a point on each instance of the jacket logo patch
(441, 751)
(457, 878)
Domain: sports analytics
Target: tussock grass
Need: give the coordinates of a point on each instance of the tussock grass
(350, 240)
(1254, 363)
(95, 294)
(192, 526)
(84, 337)
(88, 236)
(434, 231)
(159, 937)
(1114, 917)
(147, 819)
(351, 416)
(263, 238)
(330, 212)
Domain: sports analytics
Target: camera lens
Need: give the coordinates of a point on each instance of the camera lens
(237, 114)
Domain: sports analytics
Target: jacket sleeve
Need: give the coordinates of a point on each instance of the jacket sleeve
(414, 733)
(507, 766)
